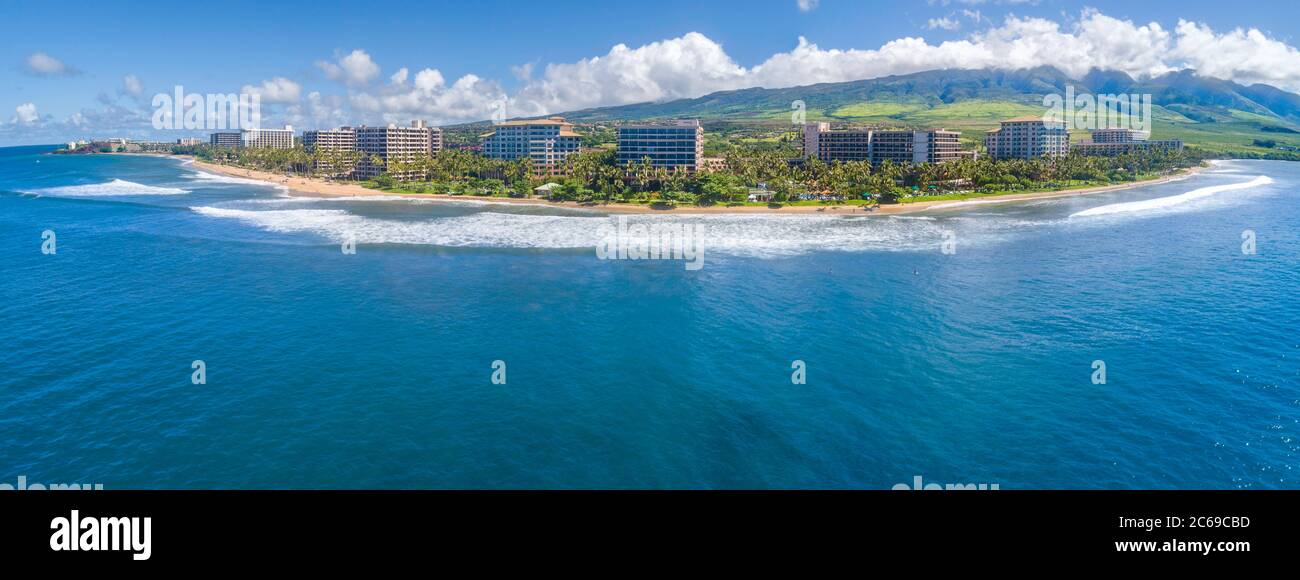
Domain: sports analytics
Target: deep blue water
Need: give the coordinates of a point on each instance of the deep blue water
(327, 370)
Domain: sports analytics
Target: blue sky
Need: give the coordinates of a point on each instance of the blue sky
(64, 68)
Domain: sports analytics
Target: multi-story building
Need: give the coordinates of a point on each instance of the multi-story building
(1110, 142)
(394, 143)
(932, 146)
(678, 146)
(1028, 138)
(340, 139)
(846, 145)
(268, 138)
(226, 139)
(547, 142)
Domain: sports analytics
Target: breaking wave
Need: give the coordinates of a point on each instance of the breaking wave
(1161, 203)
(114, 188)
(743, 235)
(217, 178)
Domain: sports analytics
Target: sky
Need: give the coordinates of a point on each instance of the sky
(72, 70)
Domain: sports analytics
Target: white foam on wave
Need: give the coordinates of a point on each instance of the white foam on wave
(1162, 203)
(114, 188)
(744, 235)
(218, 178)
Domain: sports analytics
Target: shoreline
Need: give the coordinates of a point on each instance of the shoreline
(319, 188)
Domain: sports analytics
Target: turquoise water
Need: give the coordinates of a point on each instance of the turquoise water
(328, 370)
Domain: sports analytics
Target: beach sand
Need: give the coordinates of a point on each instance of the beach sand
(314, 187)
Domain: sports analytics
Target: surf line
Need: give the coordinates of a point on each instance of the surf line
(1173, 200)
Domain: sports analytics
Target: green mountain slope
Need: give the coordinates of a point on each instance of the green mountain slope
(1218, 116)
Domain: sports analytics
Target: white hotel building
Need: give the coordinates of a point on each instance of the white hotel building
(1028, 138)
(547, 142)
(390, 143)
(261, 138)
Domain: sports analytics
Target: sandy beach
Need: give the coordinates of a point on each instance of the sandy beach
(315, 187)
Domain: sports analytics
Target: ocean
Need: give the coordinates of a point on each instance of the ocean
(960, 345)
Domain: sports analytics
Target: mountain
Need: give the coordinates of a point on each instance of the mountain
(1214, 114)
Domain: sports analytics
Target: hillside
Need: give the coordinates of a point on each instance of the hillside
(1218, 116)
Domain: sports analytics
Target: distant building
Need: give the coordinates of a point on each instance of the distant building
(189, 141)
(547, 142)
(1028, 138)
(1111, 142)
(878, 146)
(679, 145)
(268, 138)
(226, 139)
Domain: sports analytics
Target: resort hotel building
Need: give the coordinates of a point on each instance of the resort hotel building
(678, 146)
(341, 139)
(395, 143)
(1028, 138)
(392, 142)
(878, 146)
(265, 138)
(230, 139)
(547, 142)
(1110, 142)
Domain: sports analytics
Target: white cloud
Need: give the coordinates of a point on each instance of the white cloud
(399, 77)
(944, 23)
(688, 66)
(26, 114)
(807, 5)
(44, 65)
(276, 90)
(428, 96)
(355, 68)
(1246, 56)
(132, 85)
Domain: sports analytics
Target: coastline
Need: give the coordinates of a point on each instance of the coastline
(316, 187)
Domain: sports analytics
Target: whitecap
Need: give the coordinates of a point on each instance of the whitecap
(218, 178)
(1161, 203)
(743, 235)
(114, 188)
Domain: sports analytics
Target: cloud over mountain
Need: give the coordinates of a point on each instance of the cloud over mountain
(693, 65)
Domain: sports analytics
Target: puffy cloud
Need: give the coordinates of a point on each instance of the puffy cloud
(945, 23)
(428, 96)
(132, 85)
(26, 114)
(399, 77)
(807, 5)
(276, 90)
(355, 68)
(43, 65)
(688, 66)
(1246, 56)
